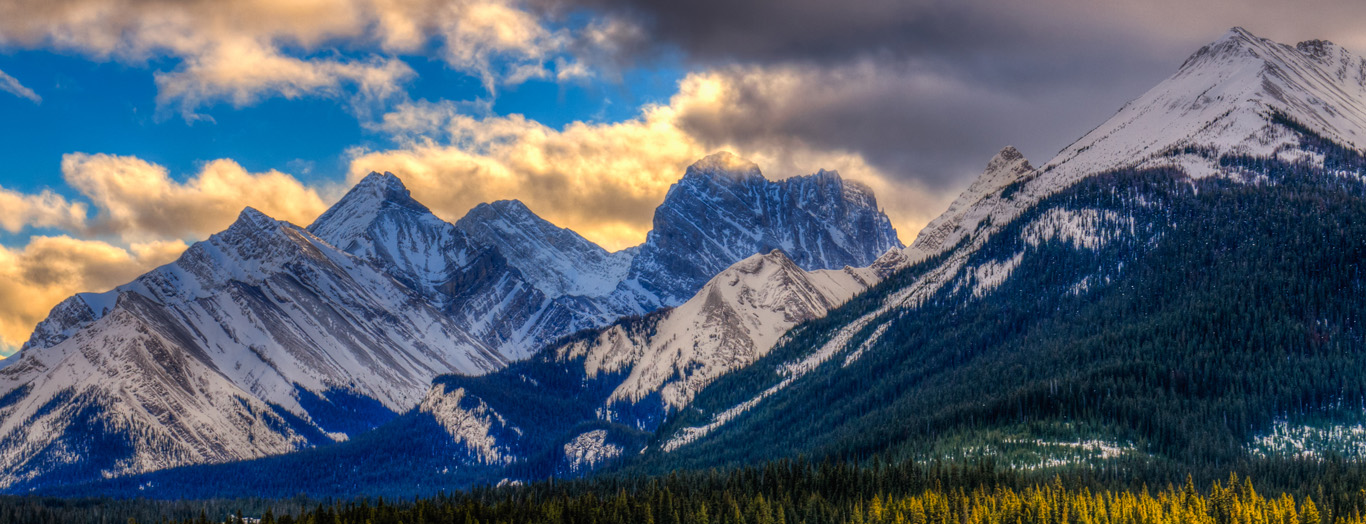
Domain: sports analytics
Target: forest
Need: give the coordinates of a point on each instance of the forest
(783, 492)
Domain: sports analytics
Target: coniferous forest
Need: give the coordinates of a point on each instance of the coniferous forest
(782, 492)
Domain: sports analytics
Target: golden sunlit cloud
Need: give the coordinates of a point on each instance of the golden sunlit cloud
(136, 200)
(19, 211)
(51, 268)
(601, 180)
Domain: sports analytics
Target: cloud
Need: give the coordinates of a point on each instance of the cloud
(818, 31)
(605, 179)
(137, 200)
(602, 180)
(245, 73)
(47, 209)
(51, 268)
(241, 52)
(926, 90)
(12, 86)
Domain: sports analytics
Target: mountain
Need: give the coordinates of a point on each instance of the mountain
(1240, 96)
(259, 340)
(518, 282)
(724, 210)
(1179, 290)
(1161, 296)
(558, 261)
(278, 338)
(572, 407)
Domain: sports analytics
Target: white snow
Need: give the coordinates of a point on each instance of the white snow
(735, 320)
(589, 449)
(471, 427)
(1310, 441)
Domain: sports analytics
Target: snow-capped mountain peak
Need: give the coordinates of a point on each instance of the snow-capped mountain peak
(556, 260)
(1240, 95)
(735, 319)
(252, 220)
(1008, 169)
(1232, 96)
(357, 211)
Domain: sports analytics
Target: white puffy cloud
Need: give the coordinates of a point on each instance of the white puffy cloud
(44, 210)
(12, 86)
(52, 268)
(137, 200)
(241, 51)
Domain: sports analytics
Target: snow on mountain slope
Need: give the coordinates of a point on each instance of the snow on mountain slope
(733, 321)
(1222, 98)
(557, 261)
(517, 282)
(336, 327)
(1008, 168)
(263, 312)
(472, 271)
(638, 370)
(1241, 96)
(1234, 96)
(379, 221)
(124, 397)
(474, 427)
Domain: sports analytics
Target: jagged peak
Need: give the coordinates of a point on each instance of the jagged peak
(385, 180)
(252, 219)
(724, 165)
(1321, 51)
(385, 187)
(363, 203)
(511, 207)
(1236, 42)
(755, 263)
(512, 212)
(1008, 161)
(1238, 34)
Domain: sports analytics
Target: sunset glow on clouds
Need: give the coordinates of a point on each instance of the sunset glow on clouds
(135, 127)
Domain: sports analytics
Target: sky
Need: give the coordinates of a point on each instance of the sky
(132, 128)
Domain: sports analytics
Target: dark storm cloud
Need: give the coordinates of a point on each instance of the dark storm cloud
(929, 90)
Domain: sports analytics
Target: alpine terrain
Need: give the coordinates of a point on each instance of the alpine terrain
(268, 338)
(1177, 291)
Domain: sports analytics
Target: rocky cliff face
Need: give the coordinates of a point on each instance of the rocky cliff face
(724, 210)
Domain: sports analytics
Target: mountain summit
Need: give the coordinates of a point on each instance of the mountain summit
(724, 210)
(1237, 95)
(725, 165)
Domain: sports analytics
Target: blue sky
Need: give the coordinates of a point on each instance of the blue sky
(131, 128)
(110, 107)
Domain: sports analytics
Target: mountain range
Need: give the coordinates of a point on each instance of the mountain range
(1178, 289)
(268, 338)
